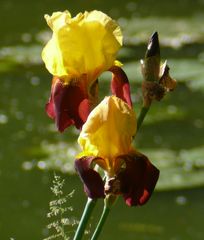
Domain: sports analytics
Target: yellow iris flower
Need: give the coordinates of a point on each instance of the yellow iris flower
(106, 140)
(80, 49)
(86, 44)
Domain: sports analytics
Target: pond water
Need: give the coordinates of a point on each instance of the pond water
(172, 136)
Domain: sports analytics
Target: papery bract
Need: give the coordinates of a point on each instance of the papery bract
(157, 80)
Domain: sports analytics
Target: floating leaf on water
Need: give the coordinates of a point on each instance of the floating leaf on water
(174, 32)
(21, 54)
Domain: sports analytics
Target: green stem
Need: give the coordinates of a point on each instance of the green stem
(141, 117)
(101, 223)
(84, 219)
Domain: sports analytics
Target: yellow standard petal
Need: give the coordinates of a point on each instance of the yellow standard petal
(109, 129)
(86, 44)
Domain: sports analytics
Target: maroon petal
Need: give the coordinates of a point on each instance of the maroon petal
(93, 183)
(68, 105)
(120, 85)
(138, 179)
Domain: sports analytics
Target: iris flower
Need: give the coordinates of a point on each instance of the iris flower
(80, 50)
(106, 142)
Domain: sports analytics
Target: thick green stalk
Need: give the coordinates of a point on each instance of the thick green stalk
(141, 117)
(101, 223)
(84, 219)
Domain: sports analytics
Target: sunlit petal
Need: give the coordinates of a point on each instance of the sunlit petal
(87, 43)
(120, 84)
(109, 129)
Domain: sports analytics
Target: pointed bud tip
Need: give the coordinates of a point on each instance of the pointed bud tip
(155, 36)
(153, 47)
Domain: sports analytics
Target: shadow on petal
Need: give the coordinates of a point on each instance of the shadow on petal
(93, 183)
(138, 179)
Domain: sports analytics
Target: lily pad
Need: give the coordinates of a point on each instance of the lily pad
(174, 32)
(20, 54)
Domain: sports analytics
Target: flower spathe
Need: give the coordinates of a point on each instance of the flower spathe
(80, 49)
(106, 140)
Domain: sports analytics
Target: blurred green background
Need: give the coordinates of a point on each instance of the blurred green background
(172, 135)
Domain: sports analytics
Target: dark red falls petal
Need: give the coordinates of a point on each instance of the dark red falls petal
(93, 183)
(68, 105)
(138, 180)
(120, 85)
